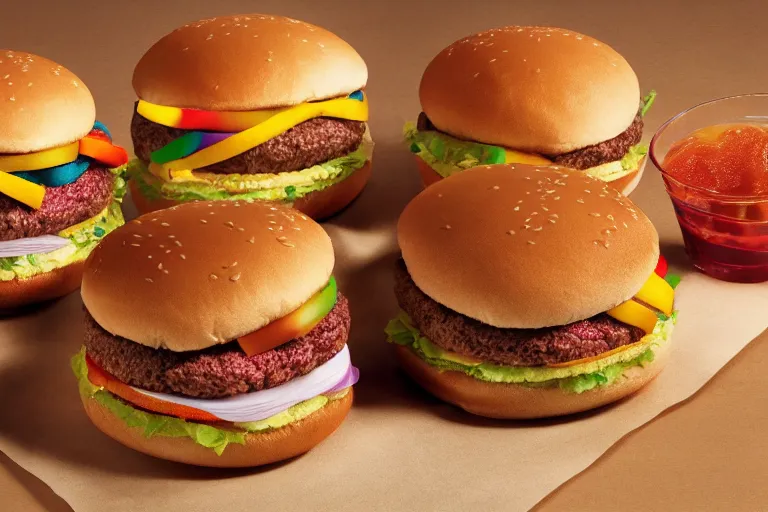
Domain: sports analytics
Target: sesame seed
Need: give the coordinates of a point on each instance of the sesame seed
(544, 208)
(167, 251)
(148, 279)
(251, 240)
(580, 201)
(556, 216)
(531, 242)
(135, 245)
(610, 217)
(159, 266)
(171, 236)
(552, 221)
(595, 214)
(447, 226)
(516, 208)
(182, 256)
(177, 243)
(587, 191)
(496, 187)
(538, 228)
(213, 276)
(149, 256)
(557, 198)
(234, 277)
(526, 226)
(203, 221)
(625, 224)
(136, 235)
(164, 224)
(162, 246)
(241, 229)
(510, 232)
(230, 224)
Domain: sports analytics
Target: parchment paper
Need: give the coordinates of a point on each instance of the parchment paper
(399, 449)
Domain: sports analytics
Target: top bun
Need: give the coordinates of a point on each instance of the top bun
(201, 273)
(43, 105)
(526, 247)
(247, 62)
(536, 89)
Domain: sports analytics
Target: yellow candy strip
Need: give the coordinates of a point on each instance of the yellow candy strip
(634, 313)
(188, 119)
(22, 190)
(344, 108)
(41, 159)
(656, 292)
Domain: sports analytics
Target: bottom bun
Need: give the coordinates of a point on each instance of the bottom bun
(428, 175)
(627, 184)
(42, 287)
(281, 444)
(513, 401)
(319, 205)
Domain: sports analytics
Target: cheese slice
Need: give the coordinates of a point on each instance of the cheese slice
(642, 341)
(658, 293)
(518, 157)
(636, 314)
(41, 159)
(31, 194)
(343, 108)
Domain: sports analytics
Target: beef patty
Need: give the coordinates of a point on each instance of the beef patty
(219, 371)
(510, 347)
(309, 143)
(62, 206)
(604, 152)
(584, 158)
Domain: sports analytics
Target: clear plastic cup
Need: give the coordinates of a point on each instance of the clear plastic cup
(725, 236)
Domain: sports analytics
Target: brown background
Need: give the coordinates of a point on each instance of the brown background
(707, 453)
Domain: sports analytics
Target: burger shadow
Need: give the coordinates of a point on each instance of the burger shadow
(42, 411)
(676, 256)
(394, 181)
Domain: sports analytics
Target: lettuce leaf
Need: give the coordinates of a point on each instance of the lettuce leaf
(84, 237)
(284, 186)
(448, 155)
(208, 436)
(576, 378)
(631, 160)
(647, 102)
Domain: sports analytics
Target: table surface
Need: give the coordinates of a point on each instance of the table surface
(707, 453)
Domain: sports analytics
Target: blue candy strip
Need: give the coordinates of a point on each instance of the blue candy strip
(59, 175)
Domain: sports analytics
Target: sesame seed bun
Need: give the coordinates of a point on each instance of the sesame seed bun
(514, 401)
(247, 62)
(201, 274)
(535, 89)
(518, 246)
(259, 448)
(43, 105)
(59, 282)
(318, 205)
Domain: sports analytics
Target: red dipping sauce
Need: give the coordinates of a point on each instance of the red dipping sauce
(717, 178)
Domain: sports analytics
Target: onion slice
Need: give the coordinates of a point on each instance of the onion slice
(32, 245)
(336, 374)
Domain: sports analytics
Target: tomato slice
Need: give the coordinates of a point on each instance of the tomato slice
(293, 325)
(99, 377)
(103, 150)
(662, 267)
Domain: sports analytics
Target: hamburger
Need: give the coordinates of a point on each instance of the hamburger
(215, 335)
(60, 179)
(529, 292)
(532, 95)
(251, 107)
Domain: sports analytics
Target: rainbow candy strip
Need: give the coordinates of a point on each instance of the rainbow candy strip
(24, 177)
(218, 121)
(199, 149)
